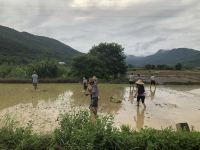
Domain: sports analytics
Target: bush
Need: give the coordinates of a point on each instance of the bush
(178, 66)
(79, 131)
(5, 70)
(22, 138)
(45, 69)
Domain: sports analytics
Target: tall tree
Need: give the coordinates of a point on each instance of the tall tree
(178, 66)
(106, 60)
(86, 66)
(112, 58)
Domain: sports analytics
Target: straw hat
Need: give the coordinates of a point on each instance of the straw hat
(94, 78)
(140, 82)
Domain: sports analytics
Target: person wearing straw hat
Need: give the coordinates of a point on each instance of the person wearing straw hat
(94, 78)
(140, 92)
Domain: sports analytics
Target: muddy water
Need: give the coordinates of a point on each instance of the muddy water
(166, 106)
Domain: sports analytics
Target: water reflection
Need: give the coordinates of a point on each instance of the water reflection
(182, 88)
(44, 106)
(13, 94)
(152, 93)
(139, 118)
(131, 95)
(43, 115)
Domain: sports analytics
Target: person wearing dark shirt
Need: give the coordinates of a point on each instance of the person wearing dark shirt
(94, 94)
(140, 93)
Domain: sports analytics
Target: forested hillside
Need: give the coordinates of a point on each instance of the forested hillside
(22, 47)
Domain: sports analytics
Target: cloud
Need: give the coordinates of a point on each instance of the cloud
(102, 3)
(141, 26)
(146, 45)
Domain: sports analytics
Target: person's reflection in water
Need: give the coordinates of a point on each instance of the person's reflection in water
(152, 93)
(131, 96)
(140, 118)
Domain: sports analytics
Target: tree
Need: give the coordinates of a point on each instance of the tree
(164, 67)
(112, 58)
(45, 68)
(148, 66)
(86, 66)
(106, 61)
(131, 66)
(178, 66)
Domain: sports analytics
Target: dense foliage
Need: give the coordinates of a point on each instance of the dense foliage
(106, 60)
(78, 131)
(178, 66)
(44, 68)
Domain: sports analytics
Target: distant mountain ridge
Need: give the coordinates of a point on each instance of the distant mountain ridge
(22, 47)
(186, 56)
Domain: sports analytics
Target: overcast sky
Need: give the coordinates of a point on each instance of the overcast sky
(141, 26)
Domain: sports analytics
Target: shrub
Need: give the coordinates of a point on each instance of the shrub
(78, 131)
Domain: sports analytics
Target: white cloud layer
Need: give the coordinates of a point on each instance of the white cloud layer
(141, 26)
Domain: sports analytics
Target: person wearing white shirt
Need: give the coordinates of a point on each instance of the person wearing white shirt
(152, 81)
(35, 80)
(85, 83)
(131, 80)
(152, 78)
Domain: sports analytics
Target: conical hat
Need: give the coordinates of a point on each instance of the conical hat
(140, 82)
(94, 78)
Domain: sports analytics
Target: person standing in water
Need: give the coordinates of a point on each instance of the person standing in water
(140, 92)
(131, 80)
(138, 77)
(94, 93)
(152, 81)
(85, 83)
(35, 80)
(94, 78)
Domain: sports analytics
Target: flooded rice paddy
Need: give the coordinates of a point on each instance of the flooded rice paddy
(166, 106)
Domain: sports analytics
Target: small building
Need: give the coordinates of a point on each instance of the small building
(61, 63)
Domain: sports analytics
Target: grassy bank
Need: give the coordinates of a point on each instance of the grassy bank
(184, 77)
(69, 80)
(79, 131)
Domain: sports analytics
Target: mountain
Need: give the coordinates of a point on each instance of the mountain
(23, 47)
(188, 57)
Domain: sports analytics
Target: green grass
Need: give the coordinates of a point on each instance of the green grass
(78, 131)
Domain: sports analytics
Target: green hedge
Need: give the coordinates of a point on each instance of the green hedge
(78, 131)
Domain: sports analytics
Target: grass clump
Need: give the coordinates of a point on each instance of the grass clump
(78, 131)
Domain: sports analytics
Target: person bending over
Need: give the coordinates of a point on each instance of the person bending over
(140, 93)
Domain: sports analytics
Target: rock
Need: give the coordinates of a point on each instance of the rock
(115, 100)
(159, 105)
(182, 126)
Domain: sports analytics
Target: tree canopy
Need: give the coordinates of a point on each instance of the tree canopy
(178, 66)
(106, 60)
